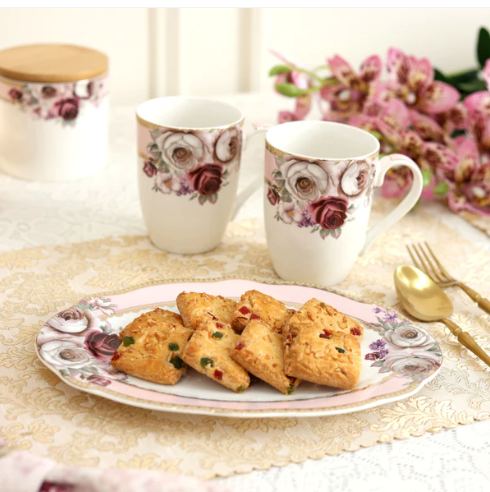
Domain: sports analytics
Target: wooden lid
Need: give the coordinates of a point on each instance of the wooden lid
(52, 63)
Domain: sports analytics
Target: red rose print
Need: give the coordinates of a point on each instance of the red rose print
(101, 345)
(272, 196)
(206, 179)
(68, 108)
(15, 94)
(149, 168)
(330, 212)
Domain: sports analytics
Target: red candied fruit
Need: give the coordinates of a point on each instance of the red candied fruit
(219, 325)
(244, 310)
(356, 331)
(116, 355)
(325, 334)
(218, 375)
(239, 346)
(255, 316)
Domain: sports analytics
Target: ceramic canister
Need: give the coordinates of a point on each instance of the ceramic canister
(53, 111)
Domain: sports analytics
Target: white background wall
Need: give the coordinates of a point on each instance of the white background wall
(221, 51)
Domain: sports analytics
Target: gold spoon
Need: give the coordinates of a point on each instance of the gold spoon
(426, 301)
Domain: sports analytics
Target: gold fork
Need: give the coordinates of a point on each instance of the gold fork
(428, 262)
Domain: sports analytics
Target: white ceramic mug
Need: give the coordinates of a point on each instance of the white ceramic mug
(189, 153)
(320, 178)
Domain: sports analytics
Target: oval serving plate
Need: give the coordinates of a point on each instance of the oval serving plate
(399, 358)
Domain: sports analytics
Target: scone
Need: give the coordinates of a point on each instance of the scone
(319, 356)
(260, 351)
(255, 305)
(151, 347)
(196, 309)
(208, 353)
(319, 313)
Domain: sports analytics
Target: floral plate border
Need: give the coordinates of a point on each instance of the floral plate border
(415, 356)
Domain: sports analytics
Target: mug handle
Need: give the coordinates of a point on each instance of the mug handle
(406, 204)
(246, 193)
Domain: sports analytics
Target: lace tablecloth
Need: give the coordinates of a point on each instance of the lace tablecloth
(34, 214)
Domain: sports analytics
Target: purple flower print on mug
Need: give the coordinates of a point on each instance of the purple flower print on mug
(16, 94)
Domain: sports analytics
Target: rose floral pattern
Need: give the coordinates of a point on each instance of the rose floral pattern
(79, 344)
(60, 102)
(403, 348)
(196, 164)
(320, 195)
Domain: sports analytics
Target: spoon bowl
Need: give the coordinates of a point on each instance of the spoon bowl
(420, 296)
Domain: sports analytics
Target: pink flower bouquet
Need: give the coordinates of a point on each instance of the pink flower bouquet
(442, 122)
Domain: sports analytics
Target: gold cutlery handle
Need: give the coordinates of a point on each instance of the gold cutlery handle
(481, 301)
(465, 339)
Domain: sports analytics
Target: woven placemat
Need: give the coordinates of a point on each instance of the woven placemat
(43, 415)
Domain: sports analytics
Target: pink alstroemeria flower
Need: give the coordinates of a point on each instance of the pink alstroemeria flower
(470, 188)
(412, 81)
(346, 98)
(300, 80)
(478, 106)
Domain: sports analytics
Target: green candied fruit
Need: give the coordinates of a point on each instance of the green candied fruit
(217, 334)
(173, 347)
(206, 361)
(340, 350)
(291, 389)
(177, 362)
(127, 341)
(241, 389)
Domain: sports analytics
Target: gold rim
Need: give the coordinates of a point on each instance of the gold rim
(409, 389)
(154, 126)
(281, 153)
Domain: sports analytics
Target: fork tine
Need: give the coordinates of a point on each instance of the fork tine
(431, 264)
(426, 268)
(449, 278)
(415, 262)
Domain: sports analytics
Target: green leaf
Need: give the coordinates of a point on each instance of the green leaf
(427, 177)
(324, 233)
(127, 341)
(465, 76)
(290, 90)
(438, 75)
(173, 347)
(279, 70)
(474, 86)
(177, 362)
(206, 361)
(483, 47)
(202, 199)
(441, 189)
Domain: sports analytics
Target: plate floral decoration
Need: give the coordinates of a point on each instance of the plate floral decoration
(79, 344)
(405, 349)
(196, 164)
(320, 195)
(59, 102)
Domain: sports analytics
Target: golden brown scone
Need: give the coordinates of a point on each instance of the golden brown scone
(316, 312)
(260, 351)
(208, 353)
(323, 357)
(253, 305)
(151, 347)
(197, 308)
